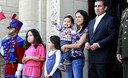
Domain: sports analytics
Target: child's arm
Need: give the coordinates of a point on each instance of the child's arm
(27, 58)
(57, 26)
(41, 54)
(73, 32)
(57, 61)
(45, 71)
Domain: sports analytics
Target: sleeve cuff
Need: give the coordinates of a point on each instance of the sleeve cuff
(98, 45)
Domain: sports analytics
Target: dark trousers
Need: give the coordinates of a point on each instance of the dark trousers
(65, 55)
(125, 67)
(99, 71)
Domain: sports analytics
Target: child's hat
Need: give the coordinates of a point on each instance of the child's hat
(15, 23)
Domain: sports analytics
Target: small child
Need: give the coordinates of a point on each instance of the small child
(66, 32)
(53, 58)
(34, 56)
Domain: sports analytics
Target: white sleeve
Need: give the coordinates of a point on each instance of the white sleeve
(57, 62)
(73, 32)
(1, 50)
(45, 71)
(58, 27)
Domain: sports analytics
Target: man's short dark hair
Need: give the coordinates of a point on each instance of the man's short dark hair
(104, 2)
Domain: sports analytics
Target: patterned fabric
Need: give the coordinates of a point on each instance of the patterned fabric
(65, 34)
(13, 53)
(9, 48)
(77, 52)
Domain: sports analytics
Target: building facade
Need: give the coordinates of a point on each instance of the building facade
(38, 14)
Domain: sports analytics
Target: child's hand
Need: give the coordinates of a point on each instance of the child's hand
(68, 32)
(53, 22)
(23, 60)
(48, 76)
(27, 58)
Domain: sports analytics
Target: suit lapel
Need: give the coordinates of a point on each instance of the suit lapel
(99, 25)
(91, 28)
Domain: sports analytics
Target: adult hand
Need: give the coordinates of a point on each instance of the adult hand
(63, 48)
(94, 46)
(87, 46)
(119, 57)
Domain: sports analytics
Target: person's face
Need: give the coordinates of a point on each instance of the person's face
(30, 37)
(11, 31)
(99, 8)
(67, 22)
(79, 19)
(50, 45)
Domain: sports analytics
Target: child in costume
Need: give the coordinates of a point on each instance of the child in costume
(34, 55)
(53, 58)
(12, 49)
(66, 33)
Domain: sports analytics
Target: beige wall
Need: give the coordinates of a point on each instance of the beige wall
(9, 7)
(62, 8)
(33, 14)
(39, 13)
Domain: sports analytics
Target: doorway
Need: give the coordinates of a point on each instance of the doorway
(115, 8)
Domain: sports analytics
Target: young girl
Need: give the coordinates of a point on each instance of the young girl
(66, 32)
(34, 56)
(53, 58)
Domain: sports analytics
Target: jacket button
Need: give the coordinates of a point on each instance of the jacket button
(124, 38)
(125, 32)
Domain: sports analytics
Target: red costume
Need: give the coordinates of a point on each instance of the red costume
(12, 50)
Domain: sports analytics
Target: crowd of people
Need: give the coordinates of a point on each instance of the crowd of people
(101, 36)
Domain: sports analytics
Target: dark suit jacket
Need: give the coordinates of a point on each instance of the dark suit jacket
(106, 35)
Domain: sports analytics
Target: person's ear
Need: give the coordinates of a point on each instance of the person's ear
(106, 8)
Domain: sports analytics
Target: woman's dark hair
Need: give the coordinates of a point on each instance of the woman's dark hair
(56, 41)
(37, 39)
(86, 19)
(70, 17)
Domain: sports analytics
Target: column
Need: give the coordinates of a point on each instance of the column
(33, 15)
(56, 10)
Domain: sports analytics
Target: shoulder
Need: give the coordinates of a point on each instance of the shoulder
(20, 41)
(40, 46)
(109, 17)
(58, 52)
(92, 20)
(85, 30)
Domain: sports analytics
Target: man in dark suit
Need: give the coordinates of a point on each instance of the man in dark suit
(122, 50)
(101, 42)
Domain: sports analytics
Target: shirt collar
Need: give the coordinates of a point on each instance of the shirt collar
(100, 17)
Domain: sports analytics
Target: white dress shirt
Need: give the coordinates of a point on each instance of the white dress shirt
(97, 20)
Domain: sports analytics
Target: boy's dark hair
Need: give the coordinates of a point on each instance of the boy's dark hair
(56, 41)
(86, 19)
(70, 17)
(104, 2)
(37, 39)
